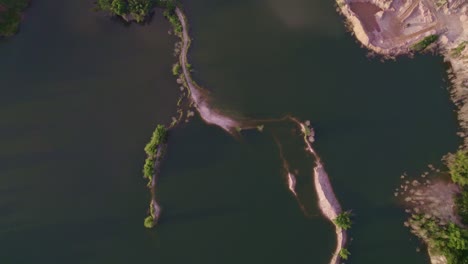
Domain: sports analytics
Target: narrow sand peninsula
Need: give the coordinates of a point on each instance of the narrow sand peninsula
(198, 95)
(328, 203)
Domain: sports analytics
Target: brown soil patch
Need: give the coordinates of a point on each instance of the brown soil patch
(366, 13)
(434, 199)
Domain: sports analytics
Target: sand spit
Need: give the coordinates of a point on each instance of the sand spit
(329, 206)
(155, 208)
(327, 201)
(291, 178)
(199, 96)
(292, 183)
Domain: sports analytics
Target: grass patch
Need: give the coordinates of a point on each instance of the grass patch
(456, 52)
(424, 43)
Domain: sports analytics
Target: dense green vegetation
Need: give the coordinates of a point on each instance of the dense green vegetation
(344, 253)
(159, 137)
(170, 14)
(343, 220)
(448, 240)
(176, 69)
(154, 151)
(138, 9)
(424, 43)
(458, 167)
(149, 222)
(462, 206)
(10, 16)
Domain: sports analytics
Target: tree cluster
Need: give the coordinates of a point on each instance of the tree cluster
(343, 220)
(138, 9)
(10, 16)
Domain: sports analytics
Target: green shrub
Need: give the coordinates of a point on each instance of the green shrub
(149, 222)
(140, 8)
(148, 168)
(344, 253)
(343, 220)
(462, 206)
(158, 137)
(424, 43)
(104, 4)
(10, 16)
(456, 52)
(119, 7)
(458, 167)
(176, 69)
(170, 14)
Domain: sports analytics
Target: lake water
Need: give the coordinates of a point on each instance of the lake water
(81, 94)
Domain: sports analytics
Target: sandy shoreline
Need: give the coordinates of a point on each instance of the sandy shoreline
(398, 26)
